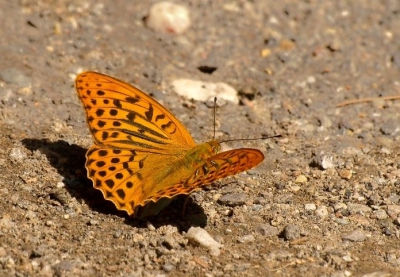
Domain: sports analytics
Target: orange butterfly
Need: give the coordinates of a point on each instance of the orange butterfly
(141, 152)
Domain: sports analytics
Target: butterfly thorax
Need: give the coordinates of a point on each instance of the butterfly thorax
(180, 166)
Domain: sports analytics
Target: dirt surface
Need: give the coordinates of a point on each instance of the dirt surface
(326, 200)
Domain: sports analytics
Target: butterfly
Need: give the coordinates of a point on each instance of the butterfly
(142, 154)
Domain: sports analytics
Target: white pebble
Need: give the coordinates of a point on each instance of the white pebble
(202, 91)
(17, 154)
(200, 236)
(322, 212)
(167, 17)
(310, 207)
(246, 238)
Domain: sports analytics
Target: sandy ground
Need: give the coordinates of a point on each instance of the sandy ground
(326, 200)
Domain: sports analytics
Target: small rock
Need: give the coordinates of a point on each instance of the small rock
(93, 222)
(310, 207)
(267, 230)
(168, 18)
(30, 215)
(256, 208)
(357, 235)
(38, 252)
(358, 208)
(202, 237)
(301, 179)
(360, 219)
(246, 238)
(345, 174)
(324, 161)
(380, 214)
(291, 232)
(6, 94)
(7, 263)
(150, 226)
(280, 255)
(3, 252)
(169, 242)
(339, 206)
(63, 266)
(347, 258)
(393, 210)
(202, 91)
(322, 212)
(6, 223)
(168, 267)
(17, 154)
(233, 199)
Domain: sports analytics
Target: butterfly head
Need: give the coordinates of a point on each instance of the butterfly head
(214, 147)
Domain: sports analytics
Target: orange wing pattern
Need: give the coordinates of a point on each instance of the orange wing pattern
(216, 167)
(142, 153)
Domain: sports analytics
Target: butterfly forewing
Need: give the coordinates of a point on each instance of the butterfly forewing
(122, 116)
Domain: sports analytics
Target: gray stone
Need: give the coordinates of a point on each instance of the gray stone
(233, 199)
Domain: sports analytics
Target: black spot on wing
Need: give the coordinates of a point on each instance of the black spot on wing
(110, 183)
(117, 103)
(149, 113)
(160, 116)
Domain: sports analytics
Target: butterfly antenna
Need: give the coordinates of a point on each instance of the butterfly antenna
(215, 110)
(264, 137)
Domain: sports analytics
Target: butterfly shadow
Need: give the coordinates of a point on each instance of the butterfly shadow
(69, 161)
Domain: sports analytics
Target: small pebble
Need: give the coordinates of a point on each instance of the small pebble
(30, 215)
(6, 223)
(291, 232)
(246, 238)
(301, 179)
(150, 226)
(63, 266)
(168, 267)
(393, 210)
(202, 237)
(93, 222)
(169, 242)
(355, 236)
(380, 214)
(358, 208)
(322, 212)
(17, 154)
(233, 199)
(3, 252)
(339, 206)
(267, 230)
(310, 207)
(202, 91)
(345, 173)
(168, 18)
(324, 161)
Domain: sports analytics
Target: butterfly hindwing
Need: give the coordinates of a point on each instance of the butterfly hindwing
(117, 173)
(219, 166)
(224, 164)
